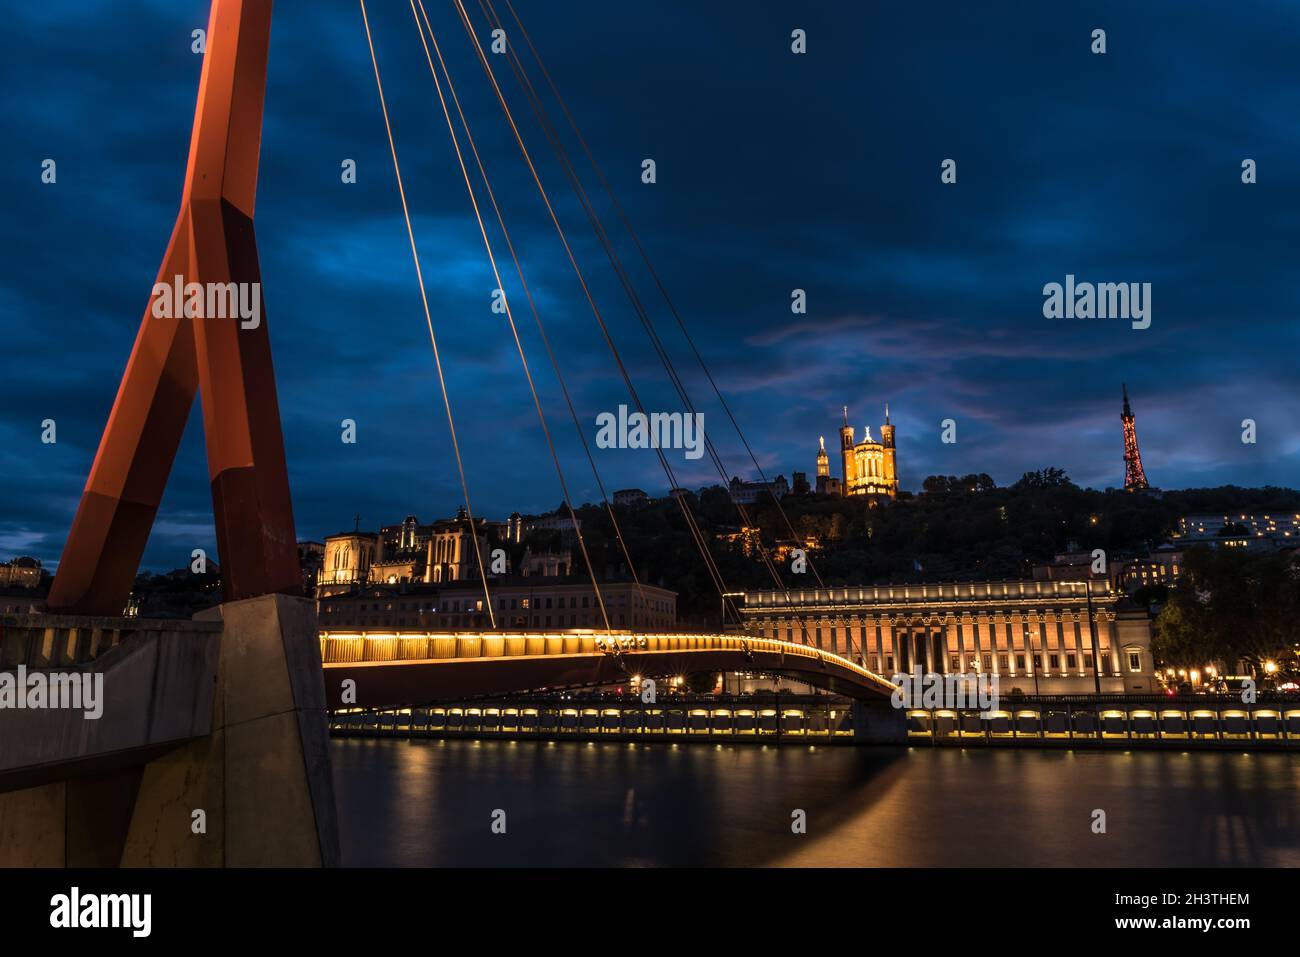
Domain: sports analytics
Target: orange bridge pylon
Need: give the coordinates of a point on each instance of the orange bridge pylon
(228, 360)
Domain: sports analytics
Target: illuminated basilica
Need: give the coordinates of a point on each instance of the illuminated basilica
(870, 466)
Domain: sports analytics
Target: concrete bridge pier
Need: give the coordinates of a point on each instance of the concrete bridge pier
(263, 774)
(878, 722)
(229, 723)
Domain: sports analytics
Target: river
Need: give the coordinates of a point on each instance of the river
(432, 803)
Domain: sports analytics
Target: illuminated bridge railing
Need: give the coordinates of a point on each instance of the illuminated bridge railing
(375, 647)
(1134, 720)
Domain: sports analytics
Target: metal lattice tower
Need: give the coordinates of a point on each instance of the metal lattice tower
(1134, 478)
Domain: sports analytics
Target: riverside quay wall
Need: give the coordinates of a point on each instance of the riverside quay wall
(1069, 721)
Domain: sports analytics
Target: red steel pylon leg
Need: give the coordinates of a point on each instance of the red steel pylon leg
(212, 242)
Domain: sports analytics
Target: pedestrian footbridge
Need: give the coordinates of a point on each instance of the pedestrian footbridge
(386, 670)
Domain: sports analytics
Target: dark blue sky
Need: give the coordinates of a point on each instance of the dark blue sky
(775, 171)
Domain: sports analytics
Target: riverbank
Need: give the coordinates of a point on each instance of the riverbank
(1117, 722)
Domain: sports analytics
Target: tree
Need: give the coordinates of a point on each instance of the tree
(1044, 478)
(935, 485)
(702, 682)
(1231, 605)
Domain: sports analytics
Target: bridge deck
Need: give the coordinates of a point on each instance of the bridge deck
(396, 668)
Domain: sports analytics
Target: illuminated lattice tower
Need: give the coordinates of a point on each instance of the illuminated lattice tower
(1134, 478)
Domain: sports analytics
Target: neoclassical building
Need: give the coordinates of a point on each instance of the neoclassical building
(1035, 635)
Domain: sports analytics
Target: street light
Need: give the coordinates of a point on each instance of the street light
(722, 598)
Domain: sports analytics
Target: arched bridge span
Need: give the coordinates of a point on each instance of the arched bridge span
(412, 669)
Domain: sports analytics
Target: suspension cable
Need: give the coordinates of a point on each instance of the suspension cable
(541, 329)
(629, 289)
(697, 534)
(424, 299)
(487, 244)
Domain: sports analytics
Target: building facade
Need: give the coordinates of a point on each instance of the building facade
(534, 604)
(21, 572)
(631, 497)
(348, 557)
(1254, 531)
(870, 466)
(412, 553)
(747, 493)
(1037, 636)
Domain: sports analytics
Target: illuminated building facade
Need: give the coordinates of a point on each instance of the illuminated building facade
(22, 572)
(1035, 635)
(411, 552)
(870, 466)
(348, 557)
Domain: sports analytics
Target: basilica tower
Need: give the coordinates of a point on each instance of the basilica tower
(846, 449)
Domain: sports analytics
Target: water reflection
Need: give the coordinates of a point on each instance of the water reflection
(430, 803)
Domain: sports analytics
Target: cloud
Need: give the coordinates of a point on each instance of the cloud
(775, 172)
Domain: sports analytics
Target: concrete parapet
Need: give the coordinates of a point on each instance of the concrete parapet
(224, 716)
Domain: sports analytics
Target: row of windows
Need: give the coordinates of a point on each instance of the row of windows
(1073, 663)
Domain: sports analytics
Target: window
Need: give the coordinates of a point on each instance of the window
(954, 663)
(1038, 662)
(1004, 663)
(1070, 662)
(1020, 662)
(1054, 661)
(875, 662)
(1135, 661)
(889, 662)
(988, 662)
